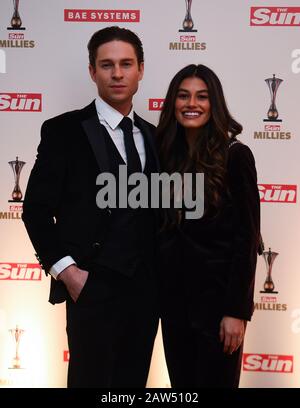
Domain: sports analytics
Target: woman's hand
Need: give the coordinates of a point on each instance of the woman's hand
(232, 332)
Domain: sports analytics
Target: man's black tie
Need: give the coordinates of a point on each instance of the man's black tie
(133, 158)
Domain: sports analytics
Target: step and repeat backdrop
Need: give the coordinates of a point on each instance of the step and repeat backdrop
(254, 47)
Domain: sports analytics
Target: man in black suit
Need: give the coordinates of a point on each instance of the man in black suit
(101, 261)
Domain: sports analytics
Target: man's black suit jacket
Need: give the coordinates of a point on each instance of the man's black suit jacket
(59, 210)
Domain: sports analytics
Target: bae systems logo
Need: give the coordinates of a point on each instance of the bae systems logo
(277, 193)
(20, 272)
(155, 104)
(102, 16)
(20, 102)
(275, 16)
(268, 363)
(66, 356)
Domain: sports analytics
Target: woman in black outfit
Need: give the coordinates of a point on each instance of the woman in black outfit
(207, 265)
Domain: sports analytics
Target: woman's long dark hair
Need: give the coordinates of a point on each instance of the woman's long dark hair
(211, 147)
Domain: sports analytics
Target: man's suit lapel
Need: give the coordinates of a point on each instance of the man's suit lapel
(149, 139)
(93, 130)
(148, 136)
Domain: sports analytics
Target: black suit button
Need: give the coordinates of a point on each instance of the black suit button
(96, 245)
(109, 211)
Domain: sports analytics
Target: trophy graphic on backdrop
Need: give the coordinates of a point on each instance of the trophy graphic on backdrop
(16, 166)
(16, 21)
(17, 334)
(273, 85)
(269, 257)
(188, 23)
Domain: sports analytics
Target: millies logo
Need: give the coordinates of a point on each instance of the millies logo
(16, 31)
(272, 129)
(14, 212)
(18, 271)
(271, 363)
(156, 104)
(99, 16)
(277, 193)
(275, 16)
(187, 40)
(16, 102)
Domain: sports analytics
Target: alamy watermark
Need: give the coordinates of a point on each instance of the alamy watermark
(296, 61)
(2, 62)
(152, 192)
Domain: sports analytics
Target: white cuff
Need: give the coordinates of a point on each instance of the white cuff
(60, 265)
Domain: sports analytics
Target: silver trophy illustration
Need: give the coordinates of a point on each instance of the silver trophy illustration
(16, 166)
(17, 334)
(273, 85)
(188, 23)
(269, 257)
